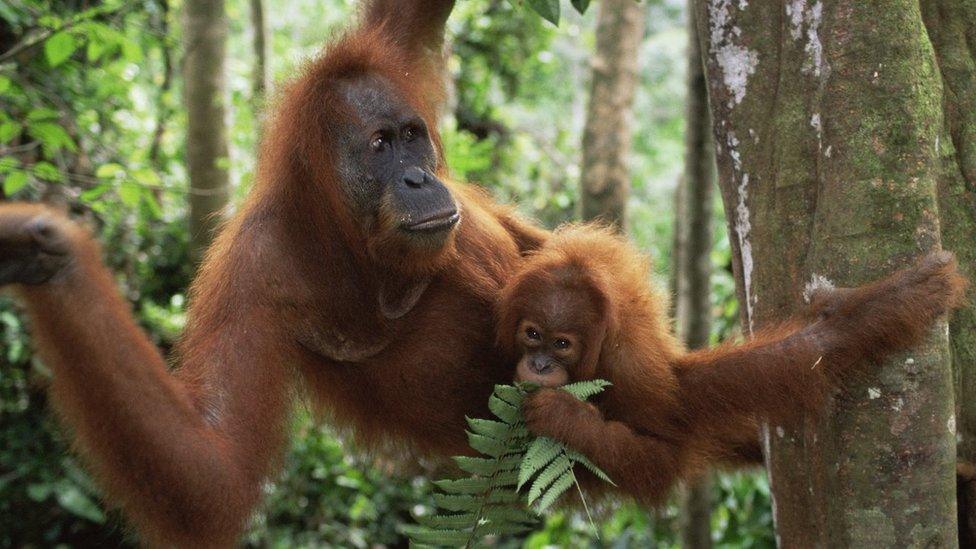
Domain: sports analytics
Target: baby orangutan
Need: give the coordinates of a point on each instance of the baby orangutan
(582, 308)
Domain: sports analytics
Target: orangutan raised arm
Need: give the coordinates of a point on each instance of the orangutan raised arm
(345, 271)
(582, 308)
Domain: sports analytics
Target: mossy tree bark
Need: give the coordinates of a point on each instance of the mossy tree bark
(607, 135)
(839, 132)
(204, 37)
(951, 27)
(692, 260)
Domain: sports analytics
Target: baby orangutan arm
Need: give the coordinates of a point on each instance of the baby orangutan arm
(786, 370)
(641, 464)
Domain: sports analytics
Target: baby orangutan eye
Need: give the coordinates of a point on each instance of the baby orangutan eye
(561, 343)
(532, 333)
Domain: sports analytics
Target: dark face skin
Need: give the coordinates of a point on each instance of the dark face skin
(387, 165)
(547, 357)
(551, 337)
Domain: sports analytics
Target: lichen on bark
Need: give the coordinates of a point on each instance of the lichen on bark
(838, 136)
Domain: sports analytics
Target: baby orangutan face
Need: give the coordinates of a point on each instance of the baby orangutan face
(548, 356)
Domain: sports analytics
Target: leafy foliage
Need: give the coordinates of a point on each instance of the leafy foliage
(549, 9)
(78, 124)
(487, 502)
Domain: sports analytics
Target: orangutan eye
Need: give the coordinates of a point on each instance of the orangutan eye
(561, 344)
(409, 134)
(378, 144)
(533, 334)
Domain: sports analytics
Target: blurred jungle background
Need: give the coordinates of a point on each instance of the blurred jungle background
(94, 102)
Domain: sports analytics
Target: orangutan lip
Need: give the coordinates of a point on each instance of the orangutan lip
(436, 223)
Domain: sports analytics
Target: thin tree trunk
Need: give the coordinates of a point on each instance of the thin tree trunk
(162, 108)
(260, 77)
(204, 37)
(607, 135)
(951, 27)
(693, 224)
(832, 136)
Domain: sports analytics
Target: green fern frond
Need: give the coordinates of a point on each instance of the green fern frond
(583, 390)
(585, 462)
(540, 453)
(563, 483)
(448, 522)
(505, 411)
(488, 446)
(487, 502)
(487, 466)
(475, 485)
(490, 428)
(559, 467)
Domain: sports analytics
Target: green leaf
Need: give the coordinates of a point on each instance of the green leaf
(465, 502)
(580, 5)
(8, 163)
(486, 445)
(59, 47)
(486, 466)
(47, 171)
(464, 485)
(131, 51)
(52, 136)
(489, 428)
(560, 466)
(457, 502)
(14, 182)
(503, 528)
(449, 522)
(585, 462)
(39, 491)
(9, 130)
(509, 394)
(510, 513)
(505, 411)
(540, 453)
(129, 193)
(504, 479)
(548, 9)
(585, 389)
(75, 501)
(152, 207)
(557, 489)
(41, 114)
(94, 192)
(108, 171)
(449, 538)
(5, 84)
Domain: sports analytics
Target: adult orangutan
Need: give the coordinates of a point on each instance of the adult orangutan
(354, 270)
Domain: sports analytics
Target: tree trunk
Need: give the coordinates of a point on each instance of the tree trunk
(260, 77)
(607, 135)
(951, 26)
(834, 127)
(693, 267)
(204, 35)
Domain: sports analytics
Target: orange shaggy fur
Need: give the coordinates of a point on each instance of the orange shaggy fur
(290, 298)
(670, 414)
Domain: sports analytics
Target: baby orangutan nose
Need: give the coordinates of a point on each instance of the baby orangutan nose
(542, 369)
(541, 364)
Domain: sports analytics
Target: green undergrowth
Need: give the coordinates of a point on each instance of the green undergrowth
(490, 500)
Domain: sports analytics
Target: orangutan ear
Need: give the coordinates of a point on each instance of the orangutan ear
(592, 349)
(507, 318)
(605, 330)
